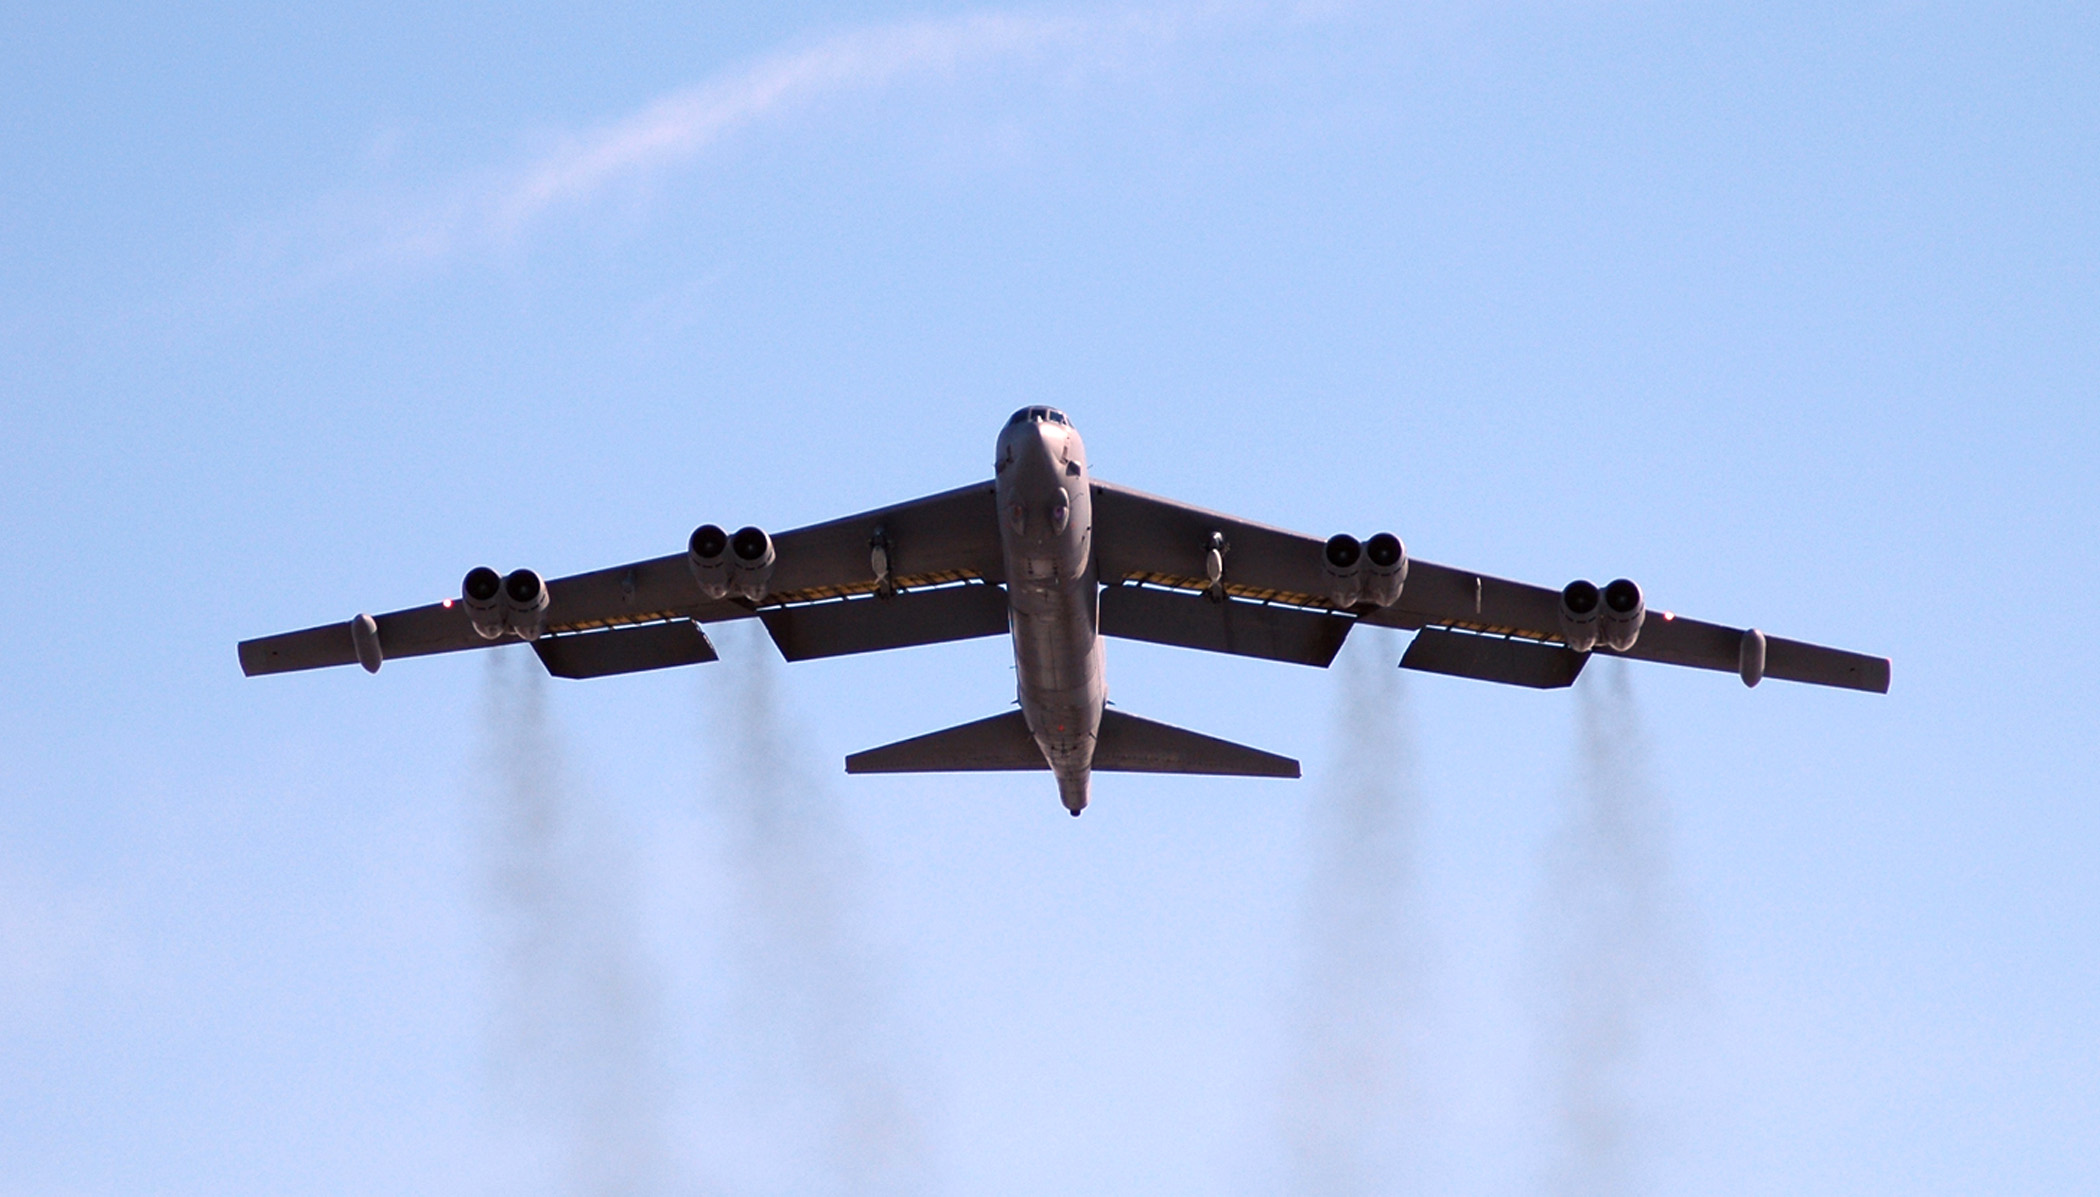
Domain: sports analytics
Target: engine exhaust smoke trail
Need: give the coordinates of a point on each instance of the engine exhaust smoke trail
(1608, 928)
(1349, 1085)
(816, 986)
(577, 1039)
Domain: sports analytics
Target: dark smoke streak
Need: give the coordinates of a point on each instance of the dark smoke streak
(577, 1044)
(1608, 929)
(814, 978)
(1346, 1096)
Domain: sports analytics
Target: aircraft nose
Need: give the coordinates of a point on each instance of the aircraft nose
(1040, 447)
(1036, 450)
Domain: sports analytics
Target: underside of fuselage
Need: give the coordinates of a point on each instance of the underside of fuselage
(1046, 539)
(1046, 525)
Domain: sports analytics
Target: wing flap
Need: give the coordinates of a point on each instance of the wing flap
(1186, 619)
(1532, 663)
(632, 649)
(1000, 744)
(1129, 744)
(872, 623)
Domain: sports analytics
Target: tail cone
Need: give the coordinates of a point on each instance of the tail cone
(1074, 790)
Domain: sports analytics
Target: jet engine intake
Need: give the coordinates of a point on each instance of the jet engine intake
(750, 563)
(1342, 561)
(707, 552)
(1385, 569)
(525, 603)
(1580, 602)
(481, 593)
(1624, 610)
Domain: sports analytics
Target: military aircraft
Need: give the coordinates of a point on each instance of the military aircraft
(1057, 559)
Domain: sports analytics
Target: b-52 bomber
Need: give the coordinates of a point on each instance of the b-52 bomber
(1059, 560)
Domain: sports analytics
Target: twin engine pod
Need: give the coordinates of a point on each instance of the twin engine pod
(725, 565)
(514, 604)
(1369, 572)
(1611, 616)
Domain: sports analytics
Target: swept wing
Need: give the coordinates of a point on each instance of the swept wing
(612, 620)
(1477, 625)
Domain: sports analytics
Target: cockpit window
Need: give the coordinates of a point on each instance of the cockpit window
(1038, 415)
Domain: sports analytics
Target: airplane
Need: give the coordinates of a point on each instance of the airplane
(1058, 560)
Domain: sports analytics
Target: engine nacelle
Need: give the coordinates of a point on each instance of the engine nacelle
(707, 552)
(1385, 569)
(750, 563)
(1342, 561)
(525, 603)
(1580, 606)
(481, 593)
(1624, 611)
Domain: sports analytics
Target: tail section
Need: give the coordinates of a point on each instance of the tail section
(1127, 744)
(1001, 744)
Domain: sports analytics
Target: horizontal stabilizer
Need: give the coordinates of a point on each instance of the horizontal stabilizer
(1000, 744)
(1493, 659)
(1129, 744)
(630, 649)
(1190, 619)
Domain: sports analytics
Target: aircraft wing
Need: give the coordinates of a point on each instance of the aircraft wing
(949, 537)
(944, 570)
(602, 601)
(612, 620)
(1470, 624)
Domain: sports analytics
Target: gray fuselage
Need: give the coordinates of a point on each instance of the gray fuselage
(1046, 524)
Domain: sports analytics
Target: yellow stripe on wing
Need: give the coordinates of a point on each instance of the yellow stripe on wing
(813, 594)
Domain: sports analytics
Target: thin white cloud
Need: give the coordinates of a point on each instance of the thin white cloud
(679, 125)
(495, 208)
(498, 207)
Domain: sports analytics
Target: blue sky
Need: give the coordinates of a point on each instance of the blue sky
(1786, 311)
